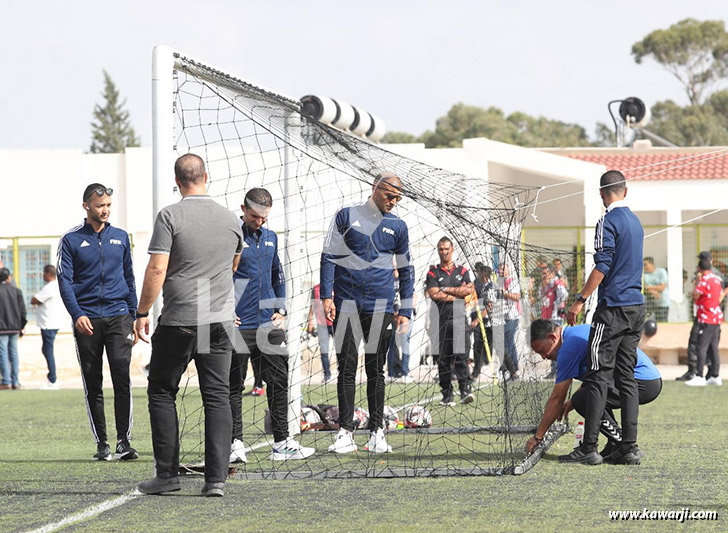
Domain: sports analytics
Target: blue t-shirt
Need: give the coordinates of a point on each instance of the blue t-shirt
(571, 362)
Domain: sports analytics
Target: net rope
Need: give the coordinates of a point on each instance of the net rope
(252, 137)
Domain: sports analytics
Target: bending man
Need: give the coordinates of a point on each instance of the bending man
(569, 348)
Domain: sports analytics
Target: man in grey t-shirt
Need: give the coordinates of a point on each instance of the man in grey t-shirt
(195, 247)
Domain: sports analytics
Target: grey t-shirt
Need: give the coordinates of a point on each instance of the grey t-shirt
(201, 238)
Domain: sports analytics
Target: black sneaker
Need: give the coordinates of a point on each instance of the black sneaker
(124, 451)
(578, 456)
(466, 397)
(447, 400)
(608, 450)
(633, 456)
(103, 452)
(687, 376)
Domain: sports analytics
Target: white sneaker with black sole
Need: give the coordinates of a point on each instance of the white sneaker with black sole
(237, 452)
(344, 442)
(289, 449)
(377, 443)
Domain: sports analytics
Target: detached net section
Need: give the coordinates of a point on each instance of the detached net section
(251, 137)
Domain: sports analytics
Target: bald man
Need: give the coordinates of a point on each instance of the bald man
(363, 246)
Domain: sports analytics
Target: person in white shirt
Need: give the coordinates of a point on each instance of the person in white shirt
(51, 316)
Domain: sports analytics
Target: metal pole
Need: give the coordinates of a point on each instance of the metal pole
(293, 253)
(162, 135)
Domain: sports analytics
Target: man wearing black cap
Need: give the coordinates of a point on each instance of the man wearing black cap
(96, 281)
(695, 330)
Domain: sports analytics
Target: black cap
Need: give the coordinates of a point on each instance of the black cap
(705, 255)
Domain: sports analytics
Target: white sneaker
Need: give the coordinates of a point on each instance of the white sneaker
(237, 452)
(57, 386)
(714, 381)
(390, 379)
(289, 449)
(377, 443)
(344, 442)
(406, 379)
(696, 381)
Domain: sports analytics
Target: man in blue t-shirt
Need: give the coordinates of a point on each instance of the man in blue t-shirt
(569, 347)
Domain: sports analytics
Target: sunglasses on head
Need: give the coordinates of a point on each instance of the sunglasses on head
(100, 191)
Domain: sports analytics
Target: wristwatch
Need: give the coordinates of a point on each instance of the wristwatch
(281, 311)
(142, 315)
(581, 298)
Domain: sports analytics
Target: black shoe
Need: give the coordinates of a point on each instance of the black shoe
(633, 456)
(447, 399)
(214, 490)
(103, 452)
(124, 451)
(158, 485)
(608, 450)
(687, 376)
(578, 456)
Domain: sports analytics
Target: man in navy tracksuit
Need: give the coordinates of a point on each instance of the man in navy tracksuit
(356, 267)
(260, 296)
(617, 324)
(96, 281)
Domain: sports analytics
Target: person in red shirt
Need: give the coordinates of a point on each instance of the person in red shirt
(707, 296)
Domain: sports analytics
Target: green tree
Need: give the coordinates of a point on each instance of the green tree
(604, 135)
(467, 122)
(541, 131)
(111, 130)
(695, 52)
(694, 125)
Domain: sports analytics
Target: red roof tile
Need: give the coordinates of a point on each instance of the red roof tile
(673, 165)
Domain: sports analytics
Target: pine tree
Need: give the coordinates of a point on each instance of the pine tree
(111, 129)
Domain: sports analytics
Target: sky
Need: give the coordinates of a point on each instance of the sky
(406, 61)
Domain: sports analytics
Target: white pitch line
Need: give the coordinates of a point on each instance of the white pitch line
(91, 512)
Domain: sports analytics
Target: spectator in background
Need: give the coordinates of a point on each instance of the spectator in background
(448, 282)
(510, 293)
(12, 323)
(398, 355)
(657, 299)
(560, 272)
(321, 327)
(694, 331)
(552, 294)
(707, 294)
(51, 316)
(486, 291)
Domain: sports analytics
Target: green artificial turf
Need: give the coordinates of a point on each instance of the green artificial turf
(46, 475)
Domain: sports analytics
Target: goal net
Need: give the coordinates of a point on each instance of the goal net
(250, 137)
